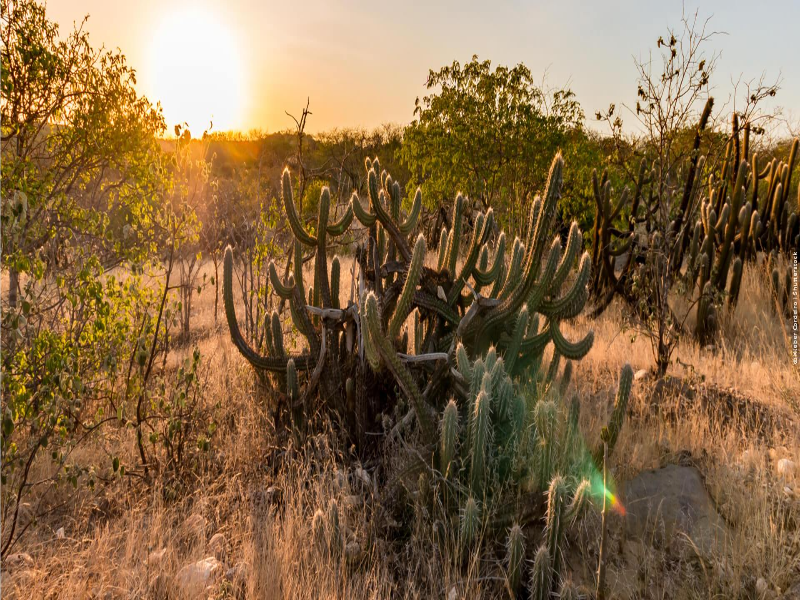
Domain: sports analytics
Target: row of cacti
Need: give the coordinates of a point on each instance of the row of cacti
(733, 225)
(476, 297)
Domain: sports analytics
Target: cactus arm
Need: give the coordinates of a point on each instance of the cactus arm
(512, 351)
(573, 300)
(572, 350)
(455, 236)
(291, 212)
(407, 226)
(482, 225)
(339, 227)
(335, 279)
(404, 303)
(541, 575)
(366, 218)
(515, 558)
(487, 277)
(254, 358)
(554, 529)
(570, 254)
(322, 289)
(398, 369)
(444, 241)
(423, 299)
(386, 220)
(298, 268)
(283, 291)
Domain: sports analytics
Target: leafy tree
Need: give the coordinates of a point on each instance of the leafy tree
(489, 133)
(85, 189)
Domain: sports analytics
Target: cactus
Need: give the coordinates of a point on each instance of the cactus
(541, 575)
(480, 441)
(470, 523)
(449, 437)
(617, 414)
(739, 217)
(515, 558)
(472, 301)
(554, 529)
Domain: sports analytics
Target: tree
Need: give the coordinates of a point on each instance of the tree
(488, 133)
(85, 188)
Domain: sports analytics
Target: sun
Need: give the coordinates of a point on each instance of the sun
(196, 71)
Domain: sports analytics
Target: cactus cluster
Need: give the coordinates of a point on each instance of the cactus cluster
(746, 210)
(359, 351)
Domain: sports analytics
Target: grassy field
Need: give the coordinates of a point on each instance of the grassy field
(730, 411)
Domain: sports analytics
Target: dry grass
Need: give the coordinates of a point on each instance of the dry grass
(260, 492)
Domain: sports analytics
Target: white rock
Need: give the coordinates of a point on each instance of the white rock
(60, 533)
(363, 476)
(761, 585)
(640, 374)
(20, 560)
(238, 573)
(217, 545)
(352, 550)
(785, 467)
(193, 579)
(452, 594)
(194, 525)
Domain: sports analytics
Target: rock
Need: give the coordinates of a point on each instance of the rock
(217, 545)
(193, 579)
(785, 468)
(672, 500)
(60, 533)
(237, 573)
(453, 593)
(20, 560)
(363, 476)
(761, 586)
(352, 550)
(640, 374)
(194, 526)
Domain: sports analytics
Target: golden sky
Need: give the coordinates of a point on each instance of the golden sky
(243, 63)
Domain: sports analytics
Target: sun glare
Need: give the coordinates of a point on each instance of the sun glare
(197, 72)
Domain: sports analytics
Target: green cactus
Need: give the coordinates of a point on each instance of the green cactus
(449, 437)
(470, 523)
(481, 433)
(409, 287)
(541, 575)
(515, 558)
(617, 418)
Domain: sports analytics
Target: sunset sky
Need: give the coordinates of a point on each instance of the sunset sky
(245, 62)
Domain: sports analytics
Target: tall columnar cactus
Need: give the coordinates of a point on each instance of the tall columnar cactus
(474, 300)
(515, 558)
(449, 437)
